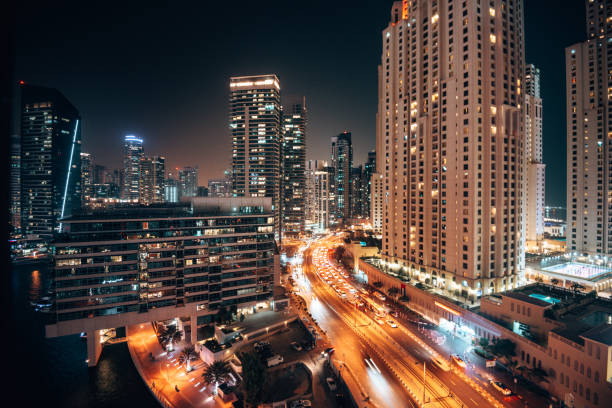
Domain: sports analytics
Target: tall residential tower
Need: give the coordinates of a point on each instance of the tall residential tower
(133, 152)
(50, 159)
(450, 143)
(589, 147)
(342, 162)
(255, 125)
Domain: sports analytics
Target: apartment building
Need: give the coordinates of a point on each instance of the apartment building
(450, 142)
(135, 264)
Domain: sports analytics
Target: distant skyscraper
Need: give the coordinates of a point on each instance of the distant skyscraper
(188, 179)
(171, 191)
(255, 123)
(449, 143)
(86, 177)
(317, 195)
(369, 168)
(220, 187)
(15, 183)
(50, 159)
(357, 192)
(534, 168)
(589, 126)
(202, 191)
(100, 174)
(293, 166)
(376, 202)
(152, 175)
(132, 154)
(342, 162)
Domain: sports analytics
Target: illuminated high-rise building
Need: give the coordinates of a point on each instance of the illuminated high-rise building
(188, 180)
(317, 196)
(589, 128)
(86, 177)
(152, 175)
(293, 169)
(50, 159)
(450, 143)
(15, 183)
(255, 124)
(133, 152)
(534, 168)
(342, 162)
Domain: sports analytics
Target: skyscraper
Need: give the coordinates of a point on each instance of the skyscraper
(152, 175)
(50, 159)
(450, 143)
(188, 180)
(293, 166)
(86, 177)
(589, 149)
(171, 191)
(255, 124)
(535, 170)
(357, 192)
(342, 162)
(369, 168)
(15, 184)
(133, 152)
(220, 187)
(317, 196)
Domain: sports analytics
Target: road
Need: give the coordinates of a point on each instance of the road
(397, 352)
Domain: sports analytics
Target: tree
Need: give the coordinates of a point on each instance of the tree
(504, 348)
(254, 376)
(555, 281)
(188, 354)
(169, 335)
(242, 317)
(217, 372)
(393, 291)
(483, 342)
(377, 284)
(576, 287)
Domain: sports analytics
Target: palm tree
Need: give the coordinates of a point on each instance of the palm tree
(188, 353)
(169, 335)
(217, 372)
(576, 287)
(392, 291)
(555, 281)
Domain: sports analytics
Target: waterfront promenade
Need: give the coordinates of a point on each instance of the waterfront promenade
(165, 373)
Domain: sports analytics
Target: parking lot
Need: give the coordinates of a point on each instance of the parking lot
(280, 342)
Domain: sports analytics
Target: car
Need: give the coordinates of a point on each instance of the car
(331, 383)
(501, 387)
(300, 403)
(459, 361)
(379, 321)
(391, 323)
(441, 363)
(296, 346)
(329, 350)
(394, 313)
(274, 360)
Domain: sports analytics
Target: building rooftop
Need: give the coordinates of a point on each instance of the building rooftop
(601, 334)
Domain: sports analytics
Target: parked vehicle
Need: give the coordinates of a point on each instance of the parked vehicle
(274, 360)
(392, 323)
(296, 346)
(459, 361)
(300, 403)
(331, 383)
(329, 350)
(380, 321)
(501, 387)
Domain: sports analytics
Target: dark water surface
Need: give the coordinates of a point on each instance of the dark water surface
(53, 371)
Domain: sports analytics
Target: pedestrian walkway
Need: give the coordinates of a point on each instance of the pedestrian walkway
(164, 375)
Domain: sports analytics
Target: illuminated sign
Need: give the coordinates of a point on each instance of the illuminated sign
(448, 309)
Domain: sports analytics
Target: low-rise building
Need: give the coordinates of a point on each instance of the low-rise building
(137, 264)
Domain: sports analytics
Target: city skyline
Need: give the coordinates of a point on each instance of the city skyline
(109, 73)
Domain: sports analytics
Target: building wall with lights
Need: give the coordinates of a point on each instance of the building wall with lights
(134, 264)
(15, 183)
(342, 163)
(589, 131)
(255, 125)
(152, 176)
(133, 152)
(450, 142)
(50, 159)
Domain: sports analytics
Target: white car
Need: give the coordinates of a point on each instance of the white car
(459, 361)
(392, 323)
(501, 387)
(331, 383)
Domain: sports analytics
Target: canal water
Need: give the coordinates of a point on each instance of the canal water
(54, 370)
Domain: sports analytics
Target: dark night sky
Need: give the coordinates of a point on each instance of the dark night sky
(161, 72)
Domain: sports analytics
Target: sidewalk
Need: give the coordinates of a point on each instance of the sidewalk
(162, 375)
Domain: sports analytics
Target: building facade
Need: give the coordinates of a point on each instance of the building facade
(151, 183)
(342, 163)
(220, 187)
(534, 168)
(255, 125)
(376, 204)
(450, 142)
(293, 194)
(369, 168)
(172, 191)
(87, 177)
(589, 148)
(50, 159)
(133, 152)
(136, 264)
(15, 184)
(317, 196)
